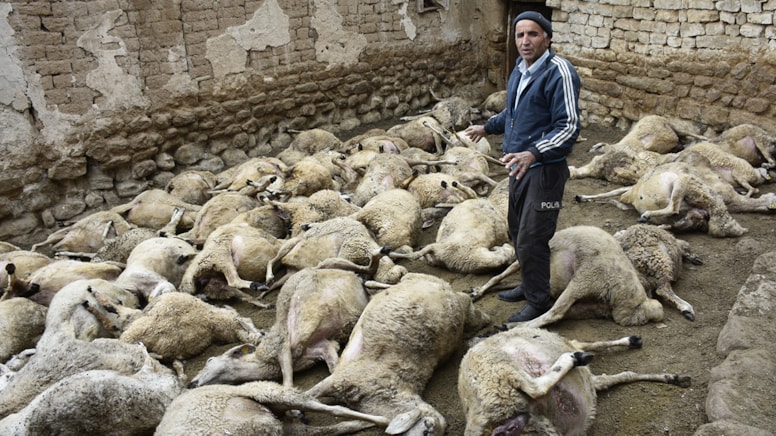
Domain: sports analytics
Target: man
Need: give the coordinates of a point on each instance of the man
(540, 125)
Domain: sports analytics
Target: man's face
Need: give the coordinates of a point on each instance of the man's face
(530, 40)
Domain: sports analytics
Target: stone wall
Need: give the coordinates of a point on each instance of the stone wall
(710, 63)
(102, 99)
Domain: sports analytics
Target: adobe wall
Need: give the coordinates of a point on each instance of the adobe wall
(102, 99)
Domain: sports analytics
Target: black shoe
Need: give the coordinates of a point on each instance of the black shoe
(512, 295)
(528, 313)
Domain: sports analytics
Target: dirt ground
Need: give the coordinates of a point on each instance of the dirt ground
(675, 345)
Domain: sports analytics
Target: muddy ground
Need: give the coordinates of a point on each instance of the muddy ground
(673, 345)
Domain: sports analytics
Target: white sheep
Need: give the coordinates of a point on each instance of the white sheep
(255, 169)
(156, 266)
(337, 242)
(180, 326)
(192, 186)
(529, 380)
(318, 207)
(309, 142)
(316, 311)
(5, 247)
(735, 170)
(450, 113)
(221, 209)
(657, 255)
(100, 402)
(462, 250)
(16, 267)
(233, 260)
(253, 408)
(119, 248)
(622, 163)
(404, 333)
(394, 217)
(749, 142)
(385, 171)
(588, 264)
(155, 208)
(471, 167)
(46, 281)
(420, 132)
(21, 323)
(87, 234)
(680, 195)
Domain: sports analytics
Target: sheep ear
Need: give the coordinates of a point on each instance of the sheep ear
(242, 350)
(403, 422)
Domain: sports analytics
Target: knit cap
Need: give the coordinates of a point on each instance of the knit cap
(545, 24)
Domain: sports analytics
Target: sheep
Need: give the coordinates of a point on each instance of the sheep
(493, 104)
(341, 242)
(178, 326)
(386, 171)
(100, 402)
(118, 249)
(316, 311)
(320, 206)
(253, 408)
(221, 209)
(268, 217)
(21, 324)
(46, 281)
(621, 163)
(404, 333)
(154, 209)
(236, 253)
(417, 133)
(657, 255)
(6, 247)
(679, 195)
(87, 234)
(192, 186)
(450, 113)
(255, 169)
(156, 266)
(735, 170)
(529, 380)
(461, 250)
(394, 217)
(16, 267)
(499, 197)
(307, 176)
(471, 167)
(71, 311)
(59, 355)
(436, 193)
(749, 142)
(587, 264)
(383, 144)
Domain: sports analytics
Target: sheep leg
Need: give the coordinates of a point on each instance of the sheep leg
(171, 228)
(565, 300)
(604, 381)
(10, 270)
(428, 249)
(282, 252)
(667, 293)
(628, 341)
(539, 386)
(103, 319)
(604, 195)
(674, 202)
(286, 363)
(476, 293)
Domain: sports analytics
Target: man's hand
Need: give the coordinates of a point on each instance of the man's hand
(475, 132)
(518, 163)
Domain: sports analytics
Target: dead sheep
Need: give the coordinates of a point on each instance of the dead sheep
(100, 402)
(405, 332)
(680, 195)
(267, 217)
(156, 266)
(71, 311)
(16, 267)
(658, 257)
(621, 163)
(436, 193)
(749, 142)
(177, 326)
(21, 324)
(318, 207)
(119, 248)
(59, 355)
(255, 169)
(307, 143)
(338, 242)
(529, 380)
(588, 265)
(735, 170)
(417, 133)
(316, 311)
(46, 281)
(451, 113)
(253, 408)
(233, 260)
(493, 104)
(5, 247)
(221, 209)
(471, 167)
(385, 171)
(307, 176)
(155, 208)
(192, 186)
(459, 249)
(87, 234)
(394, 217)
(382, 144)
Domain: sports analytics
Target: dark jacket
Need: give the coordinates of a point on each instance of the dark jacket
(547, 119)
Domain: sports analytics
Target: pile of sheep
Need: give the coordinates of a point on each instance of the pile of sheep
(325, 235)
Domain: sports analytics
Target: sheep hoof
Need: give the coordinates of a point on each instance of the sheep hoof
(582, 358)
(642, 219)
(683, 381)
(578, 199)
(256, 286)
(634, 341)
(689, 315)
(10, 268)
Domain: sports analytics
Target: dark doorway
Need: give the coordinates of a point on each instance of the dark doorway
(516, 7)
